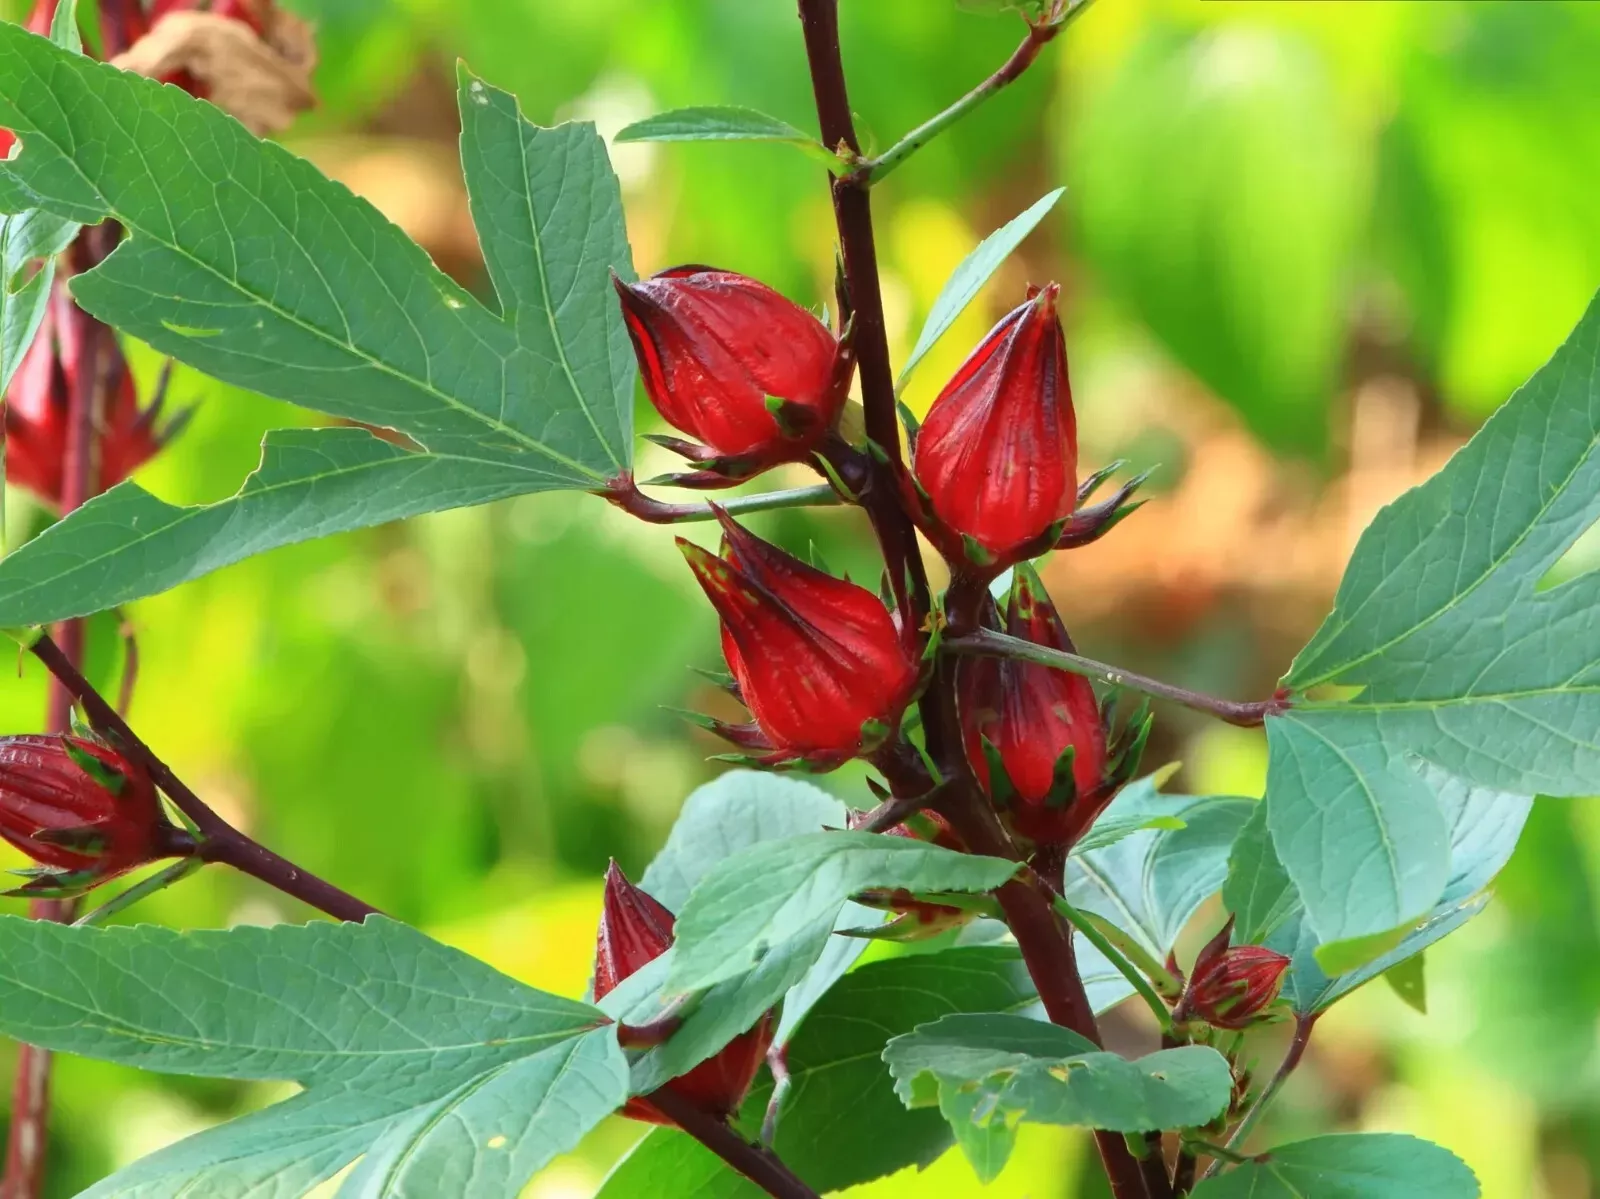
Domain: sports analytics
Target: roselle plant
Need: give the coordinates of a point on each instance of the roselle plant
(1406, 742)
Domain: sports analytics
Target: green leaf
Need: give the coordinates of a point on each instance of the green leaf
(668, 1164)
(1409, 980)
(245, 262)
(762, 897)
(438, 1068)
(842, 1124)
(738, 810)
(1022, 1069)
(973, 272)
(741, 809)
(1355, 1166)
(727, 123)
(1465, 668)
(1150, 883)
(1483, 827)
(1258, 891)
(29, 242)
(31, 238)
(1219, 195)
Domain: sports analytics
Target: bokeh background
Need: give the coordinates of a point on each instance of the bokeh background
(1307, 247)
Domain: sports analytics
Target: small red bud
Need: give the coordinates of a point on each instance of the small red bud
(1232, 988)
(998, 455)
(1030, 716)
(634, 931)
(730, 361)
(819, 662)
(81, 810)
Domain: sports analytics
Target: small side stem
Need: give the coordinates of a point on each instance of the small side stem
(1303, 1027)
(1039, 35)
(991, 644)
(627, 496)
(761, 1166)
(221, 842)
(1139, 982)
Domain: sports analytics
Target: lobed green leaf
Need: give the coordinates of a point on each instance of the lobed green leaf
(242, 260)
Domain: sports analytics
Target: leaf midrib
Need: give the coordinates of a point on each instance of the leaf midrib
(195, 511)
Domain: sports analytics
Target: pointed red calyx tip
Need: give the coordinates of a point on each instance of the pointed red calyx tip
(635, 929)
(724, 357)
(997, 456)
(79, 808)
(820, 663)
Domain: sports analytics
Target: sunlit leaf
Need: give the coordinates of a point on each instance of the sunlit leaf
(453, 1079)
(1465, 668)
(243, 261)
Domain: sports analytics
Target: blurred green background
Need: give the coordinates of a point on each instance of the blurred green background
(1306, 248)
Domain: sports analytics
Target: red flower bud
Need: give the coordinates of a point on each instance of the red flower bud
(728, 360)
(998, 455)
(39, 399)
(1026, 717)
(819, 662)
(634, 931)
(1230, 988)
(82, 811)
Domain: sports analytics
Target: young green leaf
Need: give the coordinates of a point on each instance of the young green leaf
(1354, 1166)
(1021, 1069)
(431, 1063)
(243, 261)
(725, 123)
(974, 271)
(1464, 665)
(776, 891)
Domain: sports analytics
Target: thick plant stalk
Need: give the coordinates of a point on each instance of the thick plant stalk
(1045, 940)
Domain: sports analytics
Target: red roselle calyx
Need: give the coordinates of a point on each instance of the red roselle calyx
(823, 667)
(82, 811)
(634, 931)
(1231, 987)
(997, 459)
(755, 377)
(1035, 736)
(39, 400)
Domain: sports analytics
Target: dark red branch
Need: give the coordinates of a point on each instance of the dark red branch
(761, 1166)
(221, 842)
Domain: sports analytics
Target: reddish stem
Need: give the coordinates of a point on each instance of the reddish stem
(760, 1165)
(220, 841)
